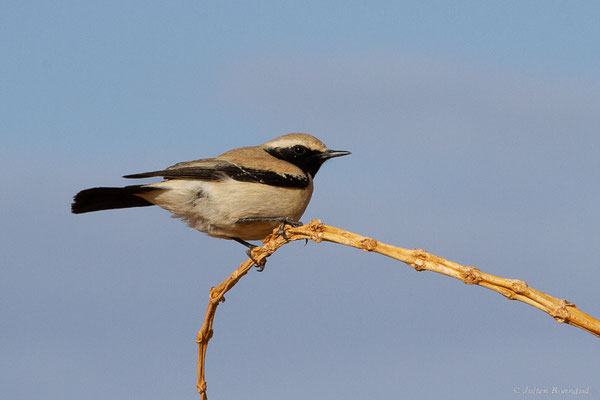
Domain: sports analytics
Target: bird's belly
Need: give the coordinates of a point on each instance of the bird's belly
(216, 207)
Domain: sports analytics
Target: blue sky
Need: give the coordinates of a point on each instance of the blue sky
(474, 133)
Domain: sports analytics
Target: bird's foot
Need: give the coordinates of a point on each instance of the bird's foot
(290, 222)
(260, 266)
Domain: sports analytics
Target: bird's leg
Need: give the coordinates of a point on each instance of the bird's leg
(283, 222)
(243, 242)
(259, 266)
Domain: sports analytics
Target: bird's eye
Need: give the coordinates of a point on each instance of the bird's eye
(299, 150)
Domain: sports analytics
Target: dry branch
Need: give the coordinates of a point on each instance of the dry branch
(561, 310)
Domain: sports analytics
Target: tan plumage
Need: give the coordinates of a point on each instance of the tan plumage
(229, 201)
(268, 183)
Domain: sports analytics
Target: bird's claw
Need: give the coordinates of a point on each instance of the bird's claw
(290, 222)
(260, 266)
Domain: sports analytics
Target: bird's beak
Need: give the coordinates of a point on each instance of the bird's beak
(334, 153)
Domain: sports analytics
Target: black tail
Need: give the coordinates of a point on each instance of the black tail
(107, 198)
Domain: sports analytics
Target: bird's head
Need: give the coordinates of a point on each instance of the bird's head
(303, 150)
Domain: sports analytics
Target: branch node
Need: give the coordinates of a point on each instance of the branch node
(471, 276)
(560, 313)
(216, 296)
(419, 265)
(368, 244)
(204, 337)
(519, 286)
(316, 229)
(202, 389)
(420, 256)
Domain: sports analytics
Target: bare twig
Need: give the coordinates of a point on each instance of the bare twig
(561, 310)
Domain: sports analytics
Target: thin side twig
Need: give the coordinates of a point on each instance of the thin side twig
(514, 289)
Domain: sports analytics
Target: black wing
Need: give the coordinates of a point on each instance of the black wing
(219, 170)
(207, 169)
(202, 173)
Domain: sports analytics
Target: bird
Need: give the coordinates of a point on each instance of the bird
(241, 195)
